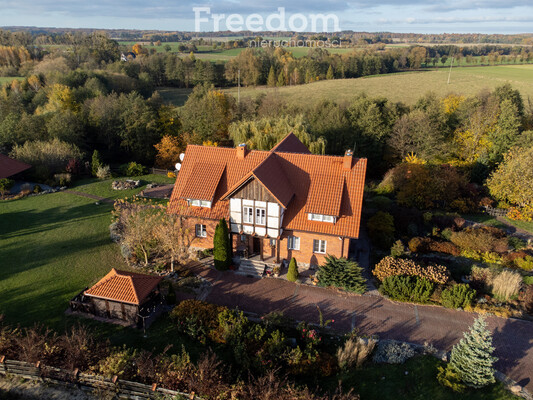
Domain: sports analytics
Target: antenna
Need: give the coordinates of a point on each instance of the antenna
(182, 156)
(239, 88)
(178, 166)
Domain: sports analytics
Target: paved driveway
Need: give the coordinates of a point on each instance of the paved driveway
(441, 327)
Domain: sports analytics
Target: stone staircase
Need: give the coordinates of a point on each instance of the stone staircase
(253, 268)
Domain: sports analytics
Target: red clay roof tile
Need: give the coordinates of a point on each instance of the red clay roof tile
(124, 287)
(10, 167)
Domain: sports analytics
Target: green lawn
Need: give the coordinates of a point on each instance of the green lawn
(103, 188)
(174, 96)
(414, 380)
(406, 87)
(492, 221)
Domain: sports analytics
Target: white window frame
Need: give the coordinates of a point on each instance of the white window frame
(321, 218)
(199, 203)
(205, 203)
(260, 216)
(248, 215)
(194, 203)
(293, 243)
(272, 242)
(201, 230)
(319, 246)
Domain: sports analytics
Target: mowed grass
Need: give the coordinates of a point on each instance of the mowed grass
(405, 87)
(9, 79)
(53, 246)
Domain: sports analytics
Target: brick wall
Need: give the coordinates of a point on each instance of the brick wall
(305, 255)
(207, 242)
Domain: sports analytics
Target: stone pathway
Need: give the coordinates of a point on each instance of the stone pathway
(90, 196)
(439, 326)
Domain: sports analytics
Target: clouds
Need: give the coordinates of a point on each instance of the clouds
(371, 15)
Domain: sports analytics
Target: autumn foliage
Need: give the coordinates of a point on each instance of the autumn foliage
(390, 266)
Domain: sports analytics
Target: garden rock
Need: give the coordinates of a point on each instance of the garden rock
(125, 185)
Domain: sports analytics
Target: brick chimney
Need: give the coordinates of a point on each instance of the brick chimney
(241, 151)
(347, 161)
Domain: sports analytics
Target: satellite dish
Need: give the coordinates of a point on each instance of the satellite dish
(178, 166)
(182, 156)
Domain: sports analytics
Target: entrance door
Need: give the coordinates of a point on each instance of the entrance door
(256, 245)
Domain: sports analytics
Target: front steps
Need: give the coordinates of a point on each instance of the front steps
(253, 268)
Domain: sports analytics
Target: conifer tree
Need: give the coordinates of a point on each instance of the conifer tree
(222, 246)
(96, 162)
(330, 75)
(281, 79)
(472, 357)
(271, 81)
(342, 273)
(354, 280)
(292, 273)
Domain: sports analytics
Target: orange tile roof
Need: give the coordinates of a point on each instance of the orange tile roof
(124, 287)
(209, 175)
(300, 182)
(290, 144)
(9, 166)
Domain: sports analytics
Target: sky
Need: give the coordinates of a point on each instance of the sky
(420, 16)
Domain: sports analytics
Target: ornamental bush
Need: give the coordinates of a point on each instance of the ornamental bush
(342, 273)
(222, 246)
(460, 295)
(132, 169)
(408, 288)
(393, 353)
(381, 229)
(480, 239)
(292, 273)
(390, 266)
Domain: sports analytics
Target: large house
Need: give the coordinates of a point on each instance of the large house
(279, 204)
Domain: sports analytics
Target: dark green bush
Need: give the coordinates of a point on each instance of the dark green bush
(6, 185)
(342, 273)
(381, 229)
(132, 169)
(382, 203)
(408, 288)
(222, 246)
(460, 295)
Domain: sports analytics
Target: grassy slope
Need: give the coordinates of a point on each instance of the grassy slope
(9, 79)
(407, 87)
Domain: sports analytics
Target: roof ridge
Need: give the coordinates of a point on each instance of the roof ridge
(130, 278)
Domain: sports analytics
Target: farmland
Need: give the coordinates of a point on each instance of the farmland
(406, 87)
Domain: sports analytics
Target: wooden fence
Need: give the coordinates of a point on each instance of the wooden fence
(87, 382)
(157, 171)
(496, 212)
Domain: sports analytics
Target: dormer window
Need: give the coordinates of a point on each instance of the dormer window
(322, 218)
(199, 203)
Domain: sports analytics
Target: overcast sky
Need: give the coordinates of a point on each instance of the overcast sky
(424, 16)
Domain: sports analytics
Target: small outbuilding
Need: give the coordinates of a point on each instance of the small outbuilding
(10, 166)
(121, 295)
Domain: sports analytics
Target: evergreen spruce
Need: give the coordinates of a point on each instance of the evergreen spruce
(292, 273)
(271, 81)
(281, 79)
(472, 357)
(330, 75)
(222, 246)
(96, 162)
(342, 273)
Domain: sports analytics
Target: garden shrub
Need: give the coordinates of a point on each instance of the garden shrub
(397, 249)
(528, 280)
(390, 266)
(460, 295)
(381, 229)
(408, 288)
(525, 263)
(382, 203)
(481, 277)
(480, 239)
(446, 234)
(506, 284)
(342, 273)
(527, 298)
(171, 296)
(393, 353)
(355, 351)
(119, 363)
(448, 376)
(63, 179)
(444, 247)
(222, 252)
(96, 163)
(292, 273)
(419, 244)
(103, 172)
(516, 243)
(132, 169)
(196, 318)
(5, 186)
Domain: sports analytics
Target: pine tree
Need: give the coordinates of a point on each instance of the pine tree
(342, 273)
(330, 75)
(271, 81)
(281, 79)
(222, 246)
(292, 273)
(354, 280)
(96, 162)
(472, 357)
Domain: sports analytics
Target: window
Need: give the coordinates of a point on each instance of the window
(199, 203)
(323, 218)
(201, 230)
(319, 246)
(293, 243)
(243, 238)
(260, 216)
(248, 217)
(272, 242)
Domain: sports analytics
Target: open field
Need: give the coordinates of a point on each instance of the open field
(406, 87)
(53, 246)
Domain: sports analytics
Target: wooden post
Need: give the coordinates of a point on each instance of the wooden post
(154, 387)
(3, 364)
(192, 396)
(115, 379)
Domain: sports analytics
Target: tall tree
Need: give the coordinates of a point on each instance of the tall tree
(222, 252)
(472, 357)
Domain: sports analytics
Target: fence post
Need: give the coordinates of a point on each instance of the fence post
(3, 364)
(154, 387)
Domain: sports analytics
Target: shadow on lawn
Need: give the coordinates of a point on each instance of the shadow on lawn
(28, 222)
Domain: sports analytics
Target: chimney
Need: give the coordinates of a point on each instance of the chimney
(347, 161)
(241, 151)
